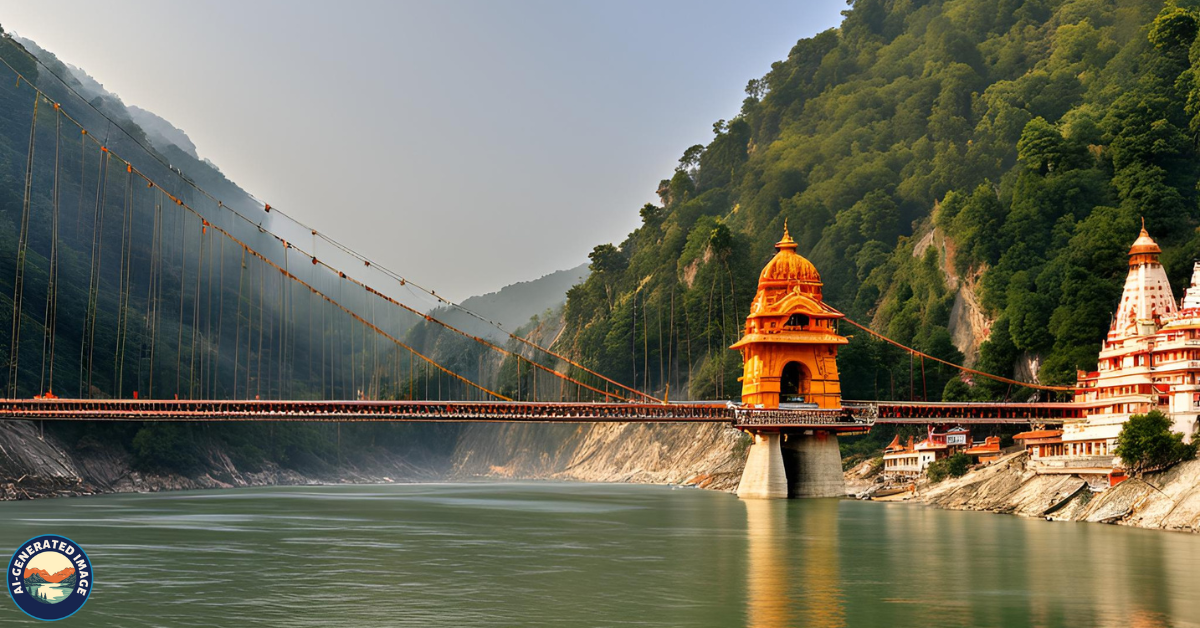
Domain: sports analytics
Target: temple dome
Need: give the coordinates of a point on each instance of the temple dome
(788, 266)
(1144, 244)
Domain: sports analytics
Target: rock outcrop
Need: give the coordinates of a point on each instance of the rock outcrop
(710, 456)
(33, 465)
(1168, 501)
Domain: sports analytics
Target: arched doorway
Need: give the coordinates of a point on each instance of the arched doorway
(793, 383)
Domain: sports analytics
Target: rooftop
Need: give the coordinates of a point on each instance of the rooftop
(1038, 434)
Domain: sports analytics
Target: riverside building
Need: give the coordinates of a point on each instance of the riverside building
(911, 460)
(1150, 359)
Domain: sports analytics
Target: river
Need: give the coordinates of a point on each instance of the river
(552, 554)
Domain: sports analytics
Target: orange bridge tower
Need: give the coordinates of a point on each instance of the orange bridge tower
(789, 352)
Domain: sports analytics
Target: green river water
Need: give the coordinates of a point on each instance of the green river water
(550, 554)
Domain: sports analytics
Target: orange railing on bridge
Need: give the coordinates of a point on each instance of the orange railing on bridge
(852, 417)
(974, 412)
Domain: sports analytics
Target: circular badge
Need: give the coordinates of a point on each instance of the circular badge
(49, 577)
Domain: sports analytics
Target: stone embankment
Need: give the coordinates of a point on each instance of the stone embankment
(1166, 501)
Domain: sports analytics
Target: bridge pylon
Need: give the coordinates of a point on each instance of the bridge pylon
(789, 352)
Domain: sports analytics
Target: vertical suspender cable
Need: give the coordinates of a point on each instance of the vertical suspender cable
(182, 292)
(51, 317)
(195, 318)
(152, 298)
(262, 294)
(206, 364)
(924, 386)
(283, 327)
(22, 244)
(124, 277)
(237, 324)
(220, 323)
(325, 392)
(82, 178)
(88, 346)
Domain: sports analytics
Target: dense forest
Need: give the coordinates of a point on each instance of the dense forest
(1031, 136)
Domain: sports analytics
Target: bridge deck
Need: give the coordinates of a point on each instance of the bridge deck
(854, 417)
(953, 412)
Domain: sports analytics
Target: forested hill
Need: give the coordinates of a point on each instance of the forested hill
(1031, 136)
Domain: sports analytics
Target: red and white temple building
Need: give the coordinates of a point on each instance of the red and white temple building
(1150, 359)
(911, 460)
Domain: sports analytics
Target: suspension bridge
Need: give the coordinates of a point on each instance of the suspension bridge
(139, 293)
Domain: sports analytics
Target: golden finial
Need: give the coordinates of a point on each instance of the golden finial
(787, 242)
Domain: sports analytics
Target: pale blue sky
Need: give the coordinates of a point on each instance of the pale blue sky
(520, 132)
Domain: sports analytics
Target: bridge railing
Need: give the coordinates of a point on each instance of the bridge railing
(991, 412)
(848, 418)
(853, 416)
(269, 410)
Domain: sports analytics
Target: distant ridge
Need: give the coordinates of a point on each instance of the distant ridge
(512, 306)
(51, 578)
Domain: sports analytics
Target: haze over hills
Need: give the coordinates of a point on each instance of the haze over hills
(151, 141)
(513, 306)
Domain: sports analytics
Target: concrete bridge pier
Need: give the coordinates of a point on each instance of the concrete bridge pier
(813, 464)
(800, 464)
(764, 476)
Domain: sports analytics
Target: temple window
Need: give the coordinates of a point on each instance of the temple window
(798, 320)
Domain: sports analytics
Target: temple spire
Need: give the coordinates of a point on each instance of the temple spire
(1191, 297)
(787, 242)
(1146, 301)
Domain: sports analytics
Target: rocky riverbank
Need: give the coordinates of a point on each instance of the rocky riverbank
(708, 455)
(1164, 501)
(35, 465)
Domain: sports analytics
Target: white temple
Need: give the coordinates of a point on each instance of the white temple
(1150, 359)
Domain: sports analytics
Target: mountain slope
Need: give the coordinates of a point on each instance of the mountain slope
(513, 305)
(1032, 135)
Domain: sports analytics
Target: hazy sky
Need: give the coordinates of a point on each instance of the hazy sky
(465, 144)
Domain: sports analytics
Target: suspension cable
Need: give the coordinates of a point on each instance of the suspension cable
(247, 249)
(342, 275)
(367, 262)
(951, 364)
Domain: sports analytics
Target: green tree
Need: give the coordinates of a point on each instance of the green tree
(1146, 443)
(951, 466)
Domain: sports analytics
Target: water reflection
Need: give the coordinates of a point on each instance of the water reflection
(792, 564)
(766, 574)
(467, 556)
(1124, 576)
(935, 568)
